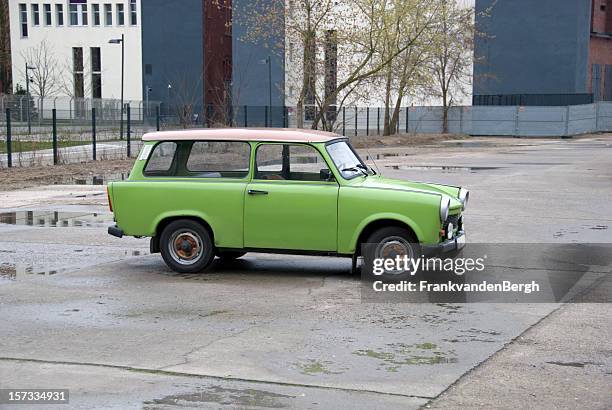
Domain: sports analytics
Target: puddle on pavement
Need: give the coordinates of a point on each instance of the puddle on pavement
(400, 354)
(540, 163)
(442, 168)
(13, 272)
(55, 219)
(474, 144)
(9, 271)
(238, 398)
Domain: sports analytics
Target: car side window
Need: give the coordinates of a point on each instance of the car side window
(219, 159)
(161, 159)
(292, 162)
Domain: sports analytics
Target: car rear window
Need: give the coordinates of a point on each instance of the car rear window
(161, 159)
(219, 159)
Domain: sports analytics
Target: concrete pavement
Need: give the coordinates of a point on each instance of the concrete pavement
(120, 330)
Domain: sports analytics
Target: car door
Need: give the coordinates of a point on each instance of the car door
(290, 204)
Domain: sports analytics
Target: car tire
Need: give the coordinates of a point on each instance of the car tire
(392, 237)
(186, 246)
(230, 255)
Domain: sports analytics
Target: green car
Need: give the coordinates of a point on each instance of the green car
(225, 192)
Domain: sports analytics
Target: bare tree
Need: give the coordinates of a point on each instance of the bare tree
(186, 95)
(300, 25)
(68, 84)
(407, 73)
(44, 77)
(363, 36)
(452, 54)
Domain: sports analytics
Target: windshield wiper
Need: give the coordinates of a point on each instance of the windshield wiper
(366, 169)
(356, 169)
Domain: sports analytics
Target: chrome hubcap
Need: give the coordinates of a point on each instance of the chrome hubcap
(391, 247)
(186, 247)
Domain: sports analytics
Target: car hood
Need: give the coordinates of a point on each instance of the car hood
(380, 182)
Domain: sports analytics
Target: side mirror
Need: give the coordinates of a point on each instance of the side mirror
(326, 175)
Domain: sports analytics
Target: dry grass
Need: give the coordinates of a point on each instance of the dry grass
(25, 177)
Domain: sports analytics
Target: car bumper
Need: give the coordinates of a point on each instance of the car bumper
(115, 231)
(451, 245)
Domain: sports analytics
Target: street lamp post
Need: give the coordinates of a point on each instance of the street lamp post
(168, 104)
(27, 80)
(148, 90)
(268, 62)
(122, 42)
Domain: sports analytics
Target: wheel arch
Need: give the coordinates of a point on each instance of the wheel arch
(367, 227)
(165, 220)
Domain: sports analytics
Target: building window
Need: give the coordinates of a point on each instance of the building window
(84, 15)
(120, 15)
(133, 14)
(78, 13)
(74, 15)
(23, 19)
(77, 68)
(96, 72)
(96, 14)
(108, 14)
(59, 11)
(47, 10)
(35, 15)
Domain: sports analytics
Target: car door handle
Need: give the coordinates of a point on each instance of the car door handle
(256, 192)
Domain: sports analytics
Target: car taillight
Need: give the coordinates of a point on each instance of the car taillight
(110, 204)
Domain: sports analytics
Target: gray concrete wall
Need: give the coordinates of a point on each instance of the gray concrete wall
(172, 45)
(485, 120)
(250, 74)
(532, 46)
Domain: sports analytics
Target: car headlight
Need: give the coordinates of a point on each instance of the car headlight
(444, 205)
(464, 196)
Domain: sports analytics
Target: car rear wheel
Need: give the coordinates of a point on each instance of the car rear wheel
(186, 246)
(390, 242)
(230, 255)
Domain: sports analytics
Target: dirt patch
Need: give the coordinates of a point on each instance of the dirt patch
(26, 177)
(403, 140)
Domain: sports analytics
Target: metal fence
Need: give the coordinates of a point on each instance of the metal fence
(74, 111)
(95, 131)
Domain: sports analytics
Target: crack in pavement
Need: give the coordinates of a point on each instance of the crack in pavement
(160, 372)
(204, 346)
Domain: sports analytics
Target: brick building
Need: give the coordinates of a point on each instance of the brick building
(600, 50)
(545, 52)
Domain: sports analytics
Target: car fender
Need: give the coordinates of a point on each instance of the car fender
(181, 213)
(385, 216)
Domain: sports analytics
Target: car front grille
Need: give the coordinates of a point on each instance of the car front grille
(454, 219)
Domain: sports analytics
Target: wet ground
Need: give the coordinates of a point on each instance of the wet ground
(100, 316)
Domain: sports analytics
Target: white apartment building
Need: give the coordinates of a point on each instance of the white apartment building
(76, 35)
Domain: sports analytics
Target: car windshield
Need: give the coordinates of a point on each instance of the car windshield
(346, 160)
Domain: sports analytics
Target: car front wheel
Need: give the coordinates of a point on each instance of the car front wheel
(186, 246)
(390, 242)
